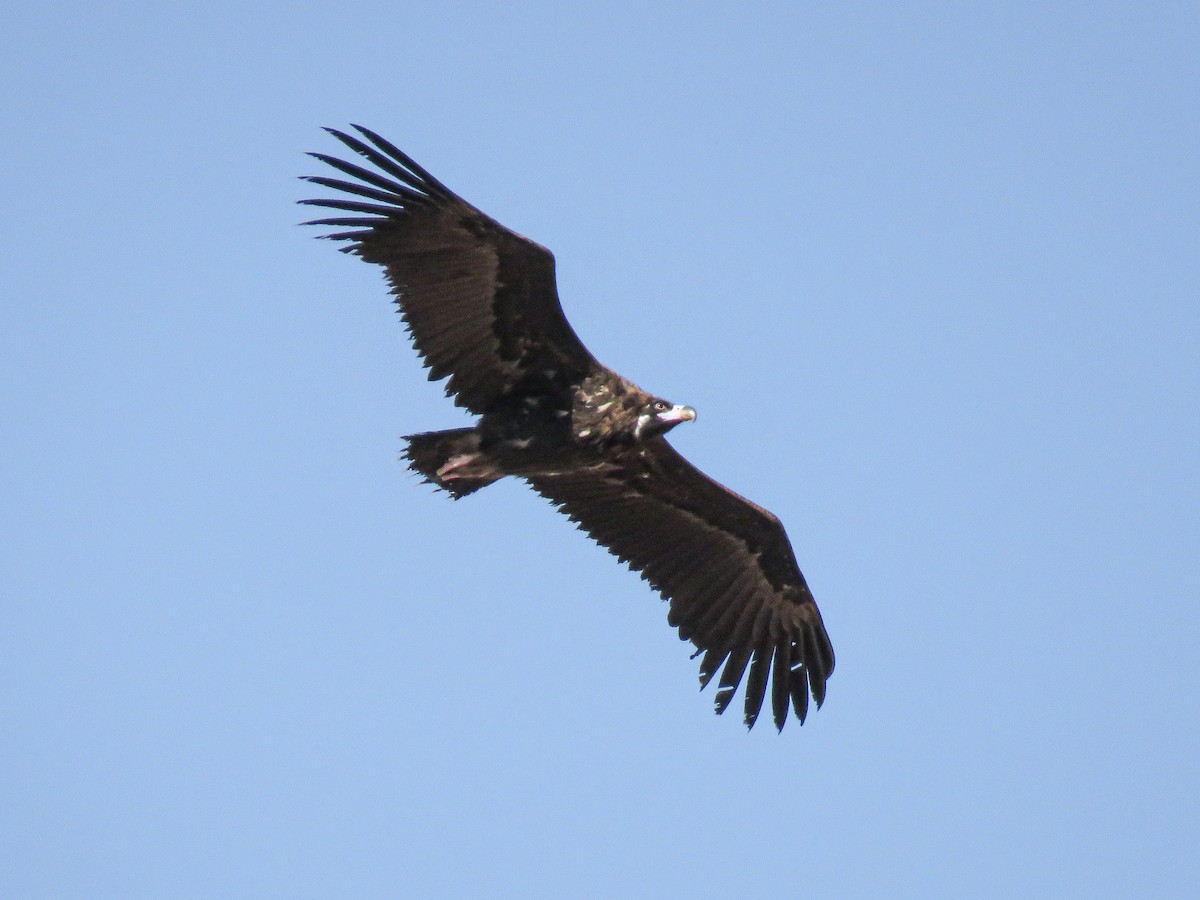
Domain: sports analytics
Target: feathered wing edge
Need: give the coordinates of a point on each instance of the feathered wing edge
(413, 187)
(719, 564)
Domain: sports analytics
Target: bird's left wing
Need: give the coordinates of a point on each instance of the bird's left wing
(724, 563)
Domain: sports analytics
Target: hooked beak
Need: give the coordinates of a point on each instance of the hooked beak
(677, 414)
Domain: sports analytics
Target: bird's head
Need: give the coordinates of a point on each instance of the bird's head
(657, 416)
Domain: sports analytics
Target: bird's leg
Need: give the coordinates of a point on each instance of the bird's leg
(451, 469)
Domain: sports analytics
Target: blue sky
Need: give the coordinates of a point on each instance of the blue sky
(929, 273)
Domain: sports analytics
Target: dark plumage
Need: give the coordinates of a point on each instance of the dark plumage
(481, 304)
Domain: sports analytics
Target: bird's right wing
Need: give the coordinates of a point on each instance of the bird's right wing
(480, 300)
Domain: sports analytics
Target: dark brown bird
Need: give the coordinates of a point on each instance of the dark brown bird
(481, 304)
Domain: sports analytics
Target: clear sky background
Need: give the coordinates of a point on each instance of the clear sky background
(928, 271)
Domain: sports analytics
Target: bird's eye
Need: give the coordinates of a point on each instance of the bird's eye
(660, 406)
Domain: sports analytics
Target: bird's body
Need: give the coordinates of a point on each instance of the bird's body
(481, 304)
(547, 428)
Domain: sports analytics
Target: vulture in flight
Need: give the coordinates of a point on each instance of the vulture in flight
(482, 307)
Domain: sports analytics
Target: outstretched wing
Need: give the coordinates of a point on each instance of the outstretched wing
(725, 565)
(479, 300)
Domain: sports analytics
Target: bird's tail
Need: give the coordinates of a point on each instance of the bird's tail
(451, 460)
